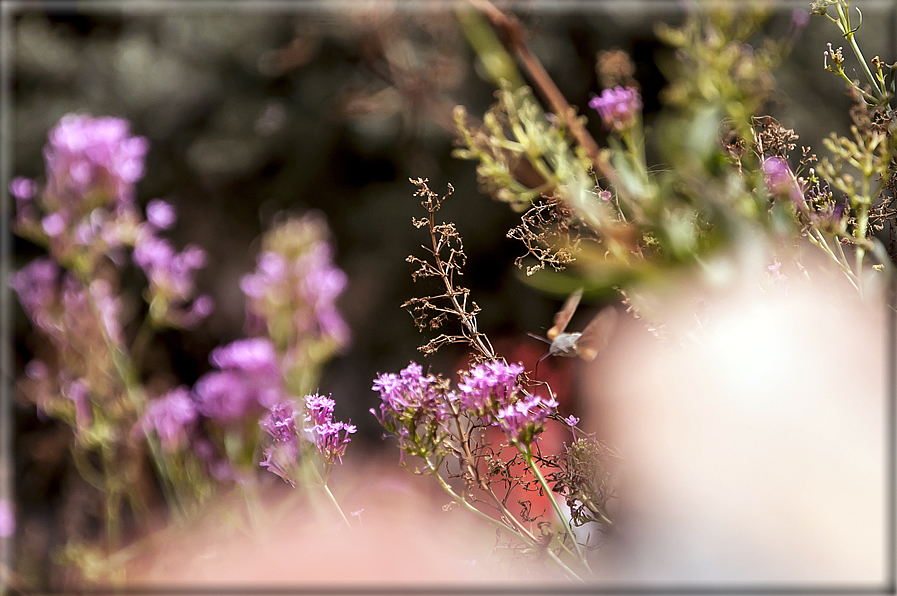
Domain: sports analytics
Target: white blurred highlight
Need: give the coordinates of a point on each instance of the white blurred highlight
(754, 452)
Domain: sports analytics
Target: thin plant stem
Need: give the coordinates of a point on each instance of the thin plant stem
(819, 240)
(844, 24)
(498, 523)
(476, 338)
(336, 504)
(126, 373)
(528, 455)
(323, 482)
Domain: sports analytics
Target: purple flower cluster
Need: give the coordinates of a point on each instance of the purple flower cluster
(281, 457)
(294, 287)
(489, 386)
(88, 155)
(781, 181)
(86, 212)
(325, 431)
(618, 107)
(412, 403)
(64, 309)
(490, 390)
(410, 396)
(249, 379)
(79, 322)
(412, 408)
(170, 417)
(170, 274)
(87, 203)
(523, 420)
(37, 285)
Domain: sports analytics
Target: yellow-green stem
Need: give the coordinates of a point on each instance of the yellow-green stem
(862, 224)
(323, 481)
(849, 35)
(528, 455)
(531, 542)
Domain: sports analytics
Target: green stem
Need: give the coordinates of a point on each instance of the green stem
(528, 455)
(821, 243)
(141, 341)
(323, 481)
(112, 502)
(128, 377)
(336, 504)
(844, 24)
(499, 524)
(860, 235)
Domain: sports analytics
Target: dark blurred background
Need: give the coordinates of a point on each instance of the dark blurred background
(255, 108)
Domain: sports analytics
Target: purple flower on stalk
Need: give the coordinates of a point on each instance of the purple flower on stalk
(280, 422)
(249, 378)
(168, 272)
(571, 420)
(408, 395)
(254, 355)
(225, 396)
(319, 409)
(295, 279)
(23, 189)
(171, 277)
(330, 444)
(7, 519)
(160, 214)
(618, 107)
(523, 420)
(170, 416)
(320, 286)
(413, 408)
(780, 180)
(36, 285)
(86, 155)
(281, 456)
(270, 272)
(79, 392)
(328, 441)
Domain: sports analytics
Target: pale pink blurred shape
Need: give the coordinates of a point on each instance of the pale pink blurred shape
(404, 540)
(754, 441)
(7, 519)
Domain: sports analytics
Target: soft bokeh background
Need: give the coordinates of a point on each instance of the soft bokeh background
(251, 109)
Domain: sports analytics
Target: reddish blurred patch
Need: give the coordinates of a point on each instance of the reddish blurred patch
(558, 374)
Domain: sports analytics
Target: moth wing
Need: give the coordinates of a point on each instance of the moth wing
(597, 333)
(564, 315)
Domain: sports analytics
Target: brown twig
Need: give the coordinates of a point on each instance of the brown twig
(514, 38)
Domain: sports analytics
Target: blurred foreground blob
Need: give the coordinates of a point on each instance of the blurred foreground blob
(401, 537)
(754, 439)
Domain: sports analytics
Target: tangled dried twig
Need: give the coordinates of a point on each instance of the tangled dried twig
(446, 258)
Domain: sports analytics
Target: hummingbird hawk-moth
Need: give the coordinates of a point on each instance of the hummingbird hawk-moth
(586, 344)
